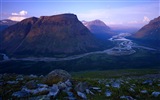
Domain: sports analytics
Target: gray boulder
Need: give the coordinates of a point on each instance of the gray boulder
(56, 76)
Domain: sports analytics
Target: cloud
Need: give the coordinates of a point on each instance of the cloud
(18, 16)
(21, 13)
(146, 19)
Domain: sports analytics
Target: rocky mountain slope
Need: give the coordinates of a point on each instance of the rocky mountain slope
(150, 33)
(48, 36)
(99, 28)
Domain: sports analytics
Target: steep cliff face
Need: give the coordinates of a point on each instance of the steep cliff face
(47, 36)
(150, 33)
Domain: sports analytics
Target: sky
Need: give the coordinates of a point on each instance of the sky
(134, 13)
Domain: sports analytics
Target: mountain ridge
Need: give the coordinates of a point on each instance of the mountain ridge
(47, 36)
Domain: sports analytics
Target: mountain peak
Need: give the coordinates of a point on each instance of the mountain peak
(48, 36)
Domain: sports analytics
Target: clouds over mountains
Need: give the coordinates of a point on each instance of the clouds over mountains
(18, 16)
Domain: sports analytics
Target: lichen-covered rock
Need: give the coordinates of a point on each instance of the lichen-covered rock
(56, 76)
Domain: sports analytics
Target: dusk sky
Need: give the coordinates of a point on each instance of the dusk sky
(126, 12)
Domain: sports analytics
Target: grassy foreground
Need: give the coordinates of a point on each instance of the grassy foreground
(127, 79)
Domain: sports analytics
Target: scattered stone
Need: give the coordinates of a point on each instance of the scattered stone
(108, 93)
(82, 95)
(148, 82)
(61, 85)
(41, 97)
(127, 97)
(81, 87)
(131, 90)
(89, 92)
(19, 78)
(97, 89)
(144, 91)
(56, 76)
(155, 94)
(107, 85)
(12, 82)
(68, 83)
(54, 90)
(42, 85)
(31, 85)
(115, 85)
(38, 91)
(33, 76)
(21, 94)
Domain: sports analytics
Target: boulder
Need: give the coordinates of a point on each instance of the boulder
(56, 76)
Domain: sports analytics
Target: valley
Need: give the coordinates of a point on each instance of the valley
(122, 47)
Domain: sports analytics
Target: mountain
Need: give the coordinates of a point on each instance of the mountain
(6, 23)
(98, 28)
(53, 35)
(150, 33)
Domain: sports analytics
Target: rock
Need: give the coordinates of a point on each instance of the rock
(69, 98)
(107, 85)
(96, 88)
(158, 84)
(33, 76)
(81, 87)
(56, 76)
(155, 94)
(12, 82)
(41, 97)
(144, 91)
(82, 95)
(148, 82)
(31, 85)
(127, 97)
(19, 78)
(115, 85)
(131, 90)
(68, 83)
(42, 85)
(21, 94)
(108, 93)
(89, 92)
(38, 91)
(54, 90)
(41, 76)
(61, 85)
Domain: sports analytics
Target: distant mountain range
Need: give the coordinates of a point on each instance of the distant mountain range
(150, 33)
(99, 29)
(60, 34)
(6, 23)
